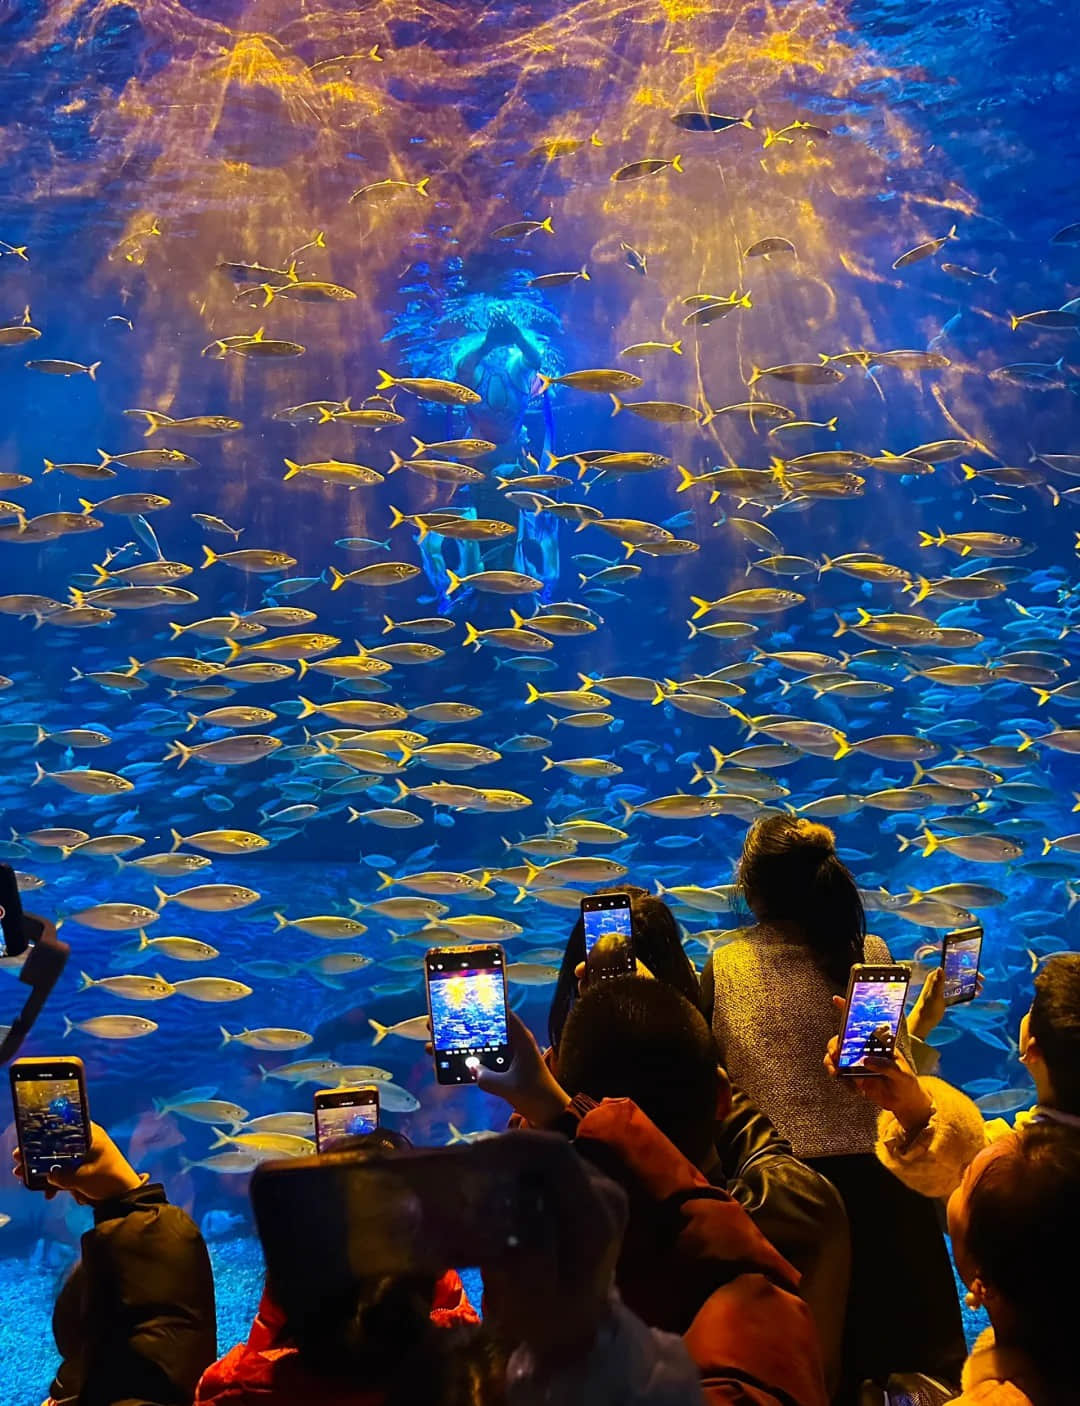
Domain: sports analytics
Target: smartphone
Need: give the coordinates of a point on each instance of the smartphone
(344, 1113)
(52, 1121)
(466, 990)
(872, 1015)
(960, 953)
(17, 928)
(609, 942)
(410, 1212)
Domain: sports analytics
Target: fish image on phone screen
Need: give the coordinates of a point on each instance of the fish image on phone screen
(467, 992)
(873, 1021)
(52, 1124)
(604, 922)
(961, 967)
(336, 1125)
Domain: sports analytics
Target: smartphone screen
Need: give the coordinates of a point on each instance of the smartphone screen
(609, 945)
(875, 1007)
(16, 927)
(414, 1213)
(960, 954)
(51, 1116)
(344, 1113)
(467, 1005)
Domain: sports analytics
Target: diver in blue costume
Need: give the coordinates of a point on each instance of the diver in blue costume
(502, 365)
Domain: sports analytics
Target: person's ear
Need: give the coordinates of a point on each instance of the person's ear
(976, 1295)
(723, 1093)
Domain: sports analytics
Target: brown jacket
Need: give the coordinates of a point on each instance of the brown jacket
(694, 1263)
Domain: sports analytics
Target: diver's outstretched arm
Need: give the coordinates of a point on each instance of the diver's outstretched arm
(465, 368)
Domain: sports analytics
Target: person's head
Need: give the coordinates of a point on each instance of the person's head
(351, 1328)
(640, 1039)
(1015, 1227)
(789, 872)
(375, 1332)
(657, 945)
(1050, 1034)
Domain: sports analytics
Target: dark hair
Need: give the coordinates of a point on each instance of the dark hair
(360, 1146)
(1055, 1026)
(378, 1336)
(377, 1333)
(657, 944)
(789, 871)
(640, 1039)
(1023, 1221)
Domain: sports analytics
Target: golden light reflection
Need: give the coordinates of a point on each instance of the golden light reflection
(238, 141)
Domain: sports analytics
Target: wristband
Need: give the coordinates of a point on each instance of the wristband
(570, 1118)
(907, 1139)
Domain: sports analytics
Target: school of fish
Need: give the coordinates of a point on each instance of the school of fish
(707, 641)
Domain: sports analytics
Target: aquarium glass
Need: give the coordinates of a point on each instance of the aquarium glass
(437, 440)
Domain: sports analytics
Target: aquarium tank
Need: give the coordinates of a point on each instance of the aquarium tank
(458, 457)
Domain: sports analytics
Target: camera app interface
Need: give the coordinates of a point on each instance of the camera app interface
(611, 923)
(52, 1123)
(468, 1013)
(873, 1021)
(334, 1125)
(961, 968)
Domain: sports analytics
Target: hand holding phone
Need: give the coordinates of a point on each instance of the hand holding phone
(960, 954)
(889, 1083)
(466, 989)
(341, 1114)
(527, 1084)
(609, 943)
(105, 1174)
(873, 1012)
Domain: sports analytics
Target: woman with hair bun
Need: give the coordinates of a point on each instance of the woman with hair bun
(769, 991)
(769, 996)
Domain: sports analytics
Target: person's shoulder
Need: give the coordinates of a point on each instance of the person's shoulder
(734, 949)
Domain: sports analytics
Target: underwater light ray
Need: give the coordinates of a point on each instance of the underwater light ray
(620, 71)
(950, 419)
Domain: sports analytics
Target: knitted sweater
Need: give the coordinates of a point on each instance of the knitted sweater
(772, 1015)
(997, 1376)
(935, 1160)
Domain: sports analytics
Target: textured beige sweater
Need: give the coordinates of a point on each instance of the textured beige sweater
(772, 1015)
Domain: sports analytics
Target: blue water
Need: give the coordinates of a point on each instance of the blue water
(169, 138)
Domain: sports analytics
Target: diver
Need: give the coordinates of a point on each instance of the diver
(502, 364)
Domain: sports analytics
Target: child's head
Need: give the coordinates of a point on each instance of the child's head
(1015, 1227)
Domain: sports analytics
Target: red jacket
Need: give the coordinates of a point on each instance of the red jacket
(267, 1371)
(694, 1263)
